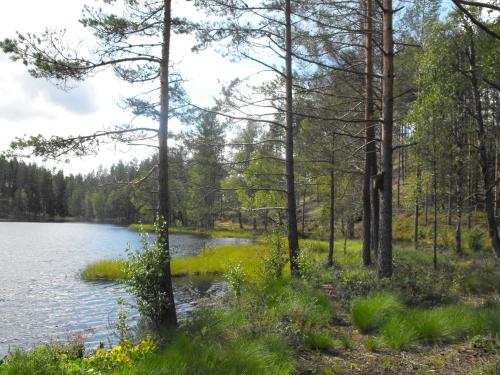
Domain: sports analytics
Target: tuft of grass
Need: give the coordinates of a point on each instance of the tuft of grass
(372, 344)
(439, 325)
(319, 341)
(371, 312)
(399, 335)
(105, 270)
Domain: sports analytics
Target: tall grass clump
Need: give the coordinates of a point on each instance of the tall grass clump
(439, 325)
(105, 270)
(371, 312)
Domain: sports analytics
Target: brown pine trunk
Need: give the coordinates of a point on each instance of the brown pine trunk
(385, 240)
(304, 213)
(450, 200)
(240, 219)
(293, 238)
(168, 316)
(484, 161)
(331, 240)
(417, 210)
(370, 147)
(434, 201)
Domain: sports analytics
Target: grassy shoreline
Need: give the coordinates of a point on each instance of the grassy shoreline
(331, 321)
(219, 232)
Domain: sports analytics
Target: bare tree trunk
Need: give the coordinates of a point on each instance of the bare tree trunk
(469, 200)
(331, 240)
(458, 224)
(426, 207)
(240, 219)
(370, 147)
(304, 213)
(385, 240)
(450, 200)
(434, 201)
(484, 161)
(266, 220)
(417, 209)
(169, 316)
(293, 238)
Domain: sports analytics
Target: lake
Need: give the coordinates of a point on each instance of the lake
(42, 297)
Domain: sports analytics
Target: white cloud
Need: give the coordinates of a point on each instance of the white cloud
(29, 106)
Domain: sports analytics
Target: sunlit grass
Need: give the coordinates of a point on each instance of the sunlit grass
(105, 270)
(221, 232)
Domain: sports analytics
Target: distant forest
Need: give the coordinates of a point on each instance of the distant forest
(31, 191)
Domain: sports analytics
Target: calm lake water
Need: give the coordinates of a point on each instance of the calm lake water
(42, 297)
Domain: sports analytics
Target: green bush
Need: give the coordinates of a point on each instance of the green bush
(46, 359)
(353, 282)
(146, 273)
(235, 276)
(274, 264)
(475, 239)
(419, 285)
(371, 312)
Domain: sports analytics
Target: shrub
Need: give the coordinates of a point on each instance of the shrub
(274, 264)
(475, 239)
(308, 267)
(235, 276)
(419, 285)
(351, 283)
(480, 279)
(371, 312)
(146, 273)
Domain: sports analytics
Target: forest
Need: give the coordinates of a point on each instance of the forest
(363, 160)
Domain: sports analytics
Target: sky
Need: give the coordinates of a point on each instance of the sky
(31, 106)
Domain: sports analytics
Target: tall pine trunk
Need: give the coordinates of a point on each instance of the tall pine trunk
(370, 148)
(484, 162)
(169, 316)
(385, 240)
(331, 240)
(293, 237)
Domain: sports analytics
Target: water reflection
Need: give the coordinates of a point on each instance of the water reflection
(41, 296)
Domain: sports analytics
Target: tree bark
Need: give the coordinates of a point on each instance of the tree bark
(370, 147)
(331, 240)
(417, 209)
(169, 316)
(434, 201)
(385, 240)
(484, 161)
(293, 238)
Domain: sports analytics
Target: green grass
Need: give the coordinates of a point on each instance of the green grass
(320, 341)
(402, 328)
(105, 270)
(261, 334)
(211, 261)
(215, 260)
(216, 232)
(370, 313)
